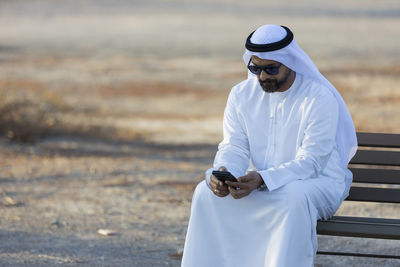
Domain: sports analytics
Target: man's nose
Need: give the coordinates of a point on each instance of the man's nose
(264, 75)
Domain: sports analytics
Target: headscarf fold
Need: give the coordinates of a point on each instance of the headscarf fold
(293, 57)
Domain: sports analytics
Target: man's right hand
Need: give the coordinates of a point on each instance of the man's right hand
(219, 188)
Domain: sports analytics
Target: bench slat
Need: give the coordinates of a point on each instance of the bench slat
(387, 195)
(377, 176)
(369, 255)
(365, 219)
(378, 140)
(360, 227)
(381, 228)
(373, 157)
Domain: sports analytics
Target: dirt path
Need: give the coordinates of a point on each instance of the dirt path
(58, 193)
(65, 190)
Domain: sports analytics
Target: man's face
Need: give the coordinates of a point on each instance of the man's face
(272, 83)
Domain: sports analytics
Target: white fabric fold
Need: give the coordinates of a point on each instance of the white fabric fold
(269, 229)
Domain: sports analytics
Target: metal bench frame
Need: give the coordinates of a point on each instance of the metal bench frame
(370, 172)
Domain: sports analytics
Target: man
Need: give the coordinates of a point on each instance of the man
(292, 127)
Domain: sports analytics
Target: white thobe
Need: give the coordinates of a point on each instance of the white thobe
(289, 139)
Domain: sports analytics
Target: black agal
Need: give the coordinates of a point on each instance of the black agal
(272, 46)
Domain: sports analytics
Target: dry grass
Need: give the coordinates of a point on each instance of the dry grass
(151, 89)
(27, 110)
(30, 111)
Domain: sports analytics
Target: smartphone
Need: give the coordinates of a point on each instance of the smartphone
(223, 176)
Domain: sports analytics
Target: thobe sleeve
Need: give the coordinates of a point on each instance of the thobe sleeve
(316, 147)
(233, 151)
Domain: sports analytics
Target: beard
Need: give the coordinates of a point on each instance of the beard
(273, 85)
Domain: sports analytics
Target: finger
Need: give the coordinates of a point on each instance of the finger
(213, 188)
(222, 169)
(218, 185)
(244, 179)
(212, 184)
(237, 194)
(232, 191)
(242, 195)
(230, 183)
(237, 191)
(237, 184)
(222, 186)
(213, 179)
(220, 193)
(223, 189)
(216, 181)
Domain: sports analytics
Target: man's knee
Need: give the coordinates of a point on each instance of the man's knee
(201, 190)
(295, 197)
(297, 200)
(202, 186)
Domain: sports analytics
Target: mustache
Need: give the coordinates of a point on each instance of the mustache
(268, 81)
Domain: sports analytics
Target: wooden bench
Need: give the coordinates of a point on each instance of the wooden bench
(377, 166)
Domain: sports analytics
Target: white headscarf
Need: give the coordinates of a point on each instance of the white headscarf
(296, 59)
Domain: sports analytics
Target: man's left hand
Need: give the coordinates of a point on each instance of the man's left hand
(246, 184)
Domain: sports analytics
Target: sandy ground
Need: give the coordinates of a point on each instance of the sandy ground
(143, 85)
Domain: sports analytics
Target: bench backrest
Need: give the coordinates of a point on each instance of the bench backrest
(377, 162)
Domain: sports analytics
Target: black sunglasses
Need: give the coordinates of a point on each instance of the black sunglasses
(271, 70)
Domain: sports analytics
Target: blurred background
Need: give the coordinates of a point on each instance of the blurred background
(110, 111)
